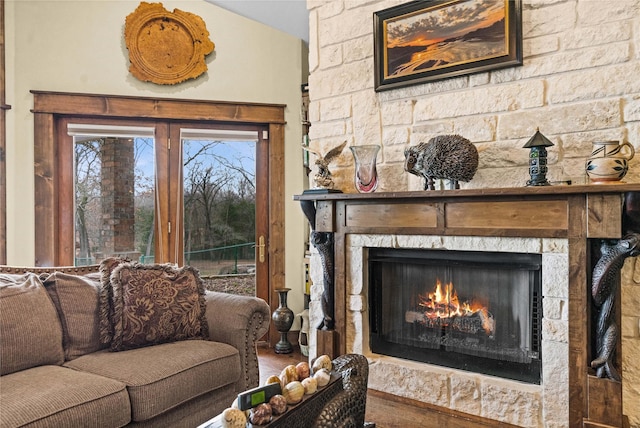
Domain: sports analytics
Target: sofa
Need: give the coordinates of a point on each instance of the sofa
(86, 347)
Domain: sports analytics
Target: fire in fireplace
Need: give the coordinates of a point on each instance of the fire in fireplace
(442, 309)
(475, 311)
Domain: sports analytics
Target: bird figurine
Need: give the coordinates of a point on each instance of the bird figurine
(323, 176)
(449, 157)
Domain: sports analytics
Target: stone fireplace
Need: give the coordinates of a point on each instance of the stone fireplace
(547, 232)
(518, 402)
(478, 311)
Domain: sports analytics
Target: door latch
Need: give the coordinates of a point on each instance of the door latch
(261, 247)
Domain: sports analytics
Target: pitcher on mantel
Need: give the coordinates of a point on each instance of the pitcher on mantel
(609, 161)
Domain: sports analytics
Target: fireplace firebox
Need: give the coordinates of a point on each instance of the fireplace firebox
(475, 311)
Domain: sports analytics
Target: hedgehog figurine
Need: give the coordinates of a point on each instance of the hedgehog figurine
(449, 157)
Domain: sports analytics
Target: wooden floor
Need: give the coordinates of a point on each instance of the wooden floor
(384, 410)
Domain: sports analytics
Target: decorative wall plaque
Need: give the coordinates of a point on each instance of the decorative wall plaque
(166, 47)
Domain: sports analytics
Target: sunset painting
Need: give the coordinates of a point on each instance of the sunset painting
(444, 35)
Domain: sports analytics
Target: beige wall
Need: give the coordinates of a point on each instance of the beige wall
(78, 46)
(579, 84)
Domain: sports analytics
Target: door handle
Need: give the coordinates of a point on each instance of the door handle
(261, 245)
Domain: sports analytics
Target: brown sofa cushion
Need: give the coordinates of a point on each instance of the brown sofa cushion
(162, 377)
(156, 304)
(76, 299)
(29, 326)
(54, 396)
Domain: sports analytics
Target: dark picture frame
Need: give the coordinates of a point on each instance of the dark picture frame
(428, 40)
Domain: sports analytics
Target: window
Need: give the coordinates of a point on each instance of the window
(54, 163)
(114, 188)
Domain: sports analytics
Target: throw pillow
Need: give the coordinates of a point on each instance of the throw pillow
(30, 331)
(105, 328)
(76, 300)
(156, 304)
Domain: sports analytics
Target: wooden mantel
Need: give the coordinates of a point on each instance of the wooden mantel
(581, 214)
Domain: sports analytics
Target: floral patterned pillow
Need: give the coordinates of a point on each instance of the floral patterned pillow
(107, 267)
(156, 304)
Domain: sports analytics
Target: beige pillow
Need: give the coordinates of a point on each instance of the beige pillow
(76, 299)
(29, 326)
(156, 304)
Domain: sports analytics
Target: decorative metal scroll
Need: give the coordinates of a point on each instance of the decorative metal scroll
(604, 285)
(323, 242)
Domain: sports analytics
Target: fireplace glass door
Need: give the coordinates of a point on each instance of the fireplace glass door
(476, 311)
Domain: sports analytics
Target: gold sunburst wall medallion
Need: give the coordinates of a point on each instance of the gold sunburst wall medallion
(166, 47)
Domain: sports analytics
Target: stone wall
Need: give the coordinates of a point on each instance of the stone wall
(631, 339)
(578, 84)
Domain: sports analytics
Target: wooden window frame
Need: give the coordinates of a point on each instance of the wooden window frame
(3, 143)
(50, 107)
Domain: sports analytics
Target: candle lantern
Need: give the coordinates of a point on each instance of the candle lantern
(538, 159)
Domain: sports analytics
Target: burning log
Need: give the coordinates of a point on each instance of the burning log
(414, 316)
(478, 322)
(442, 308)
(481, 321)
(422, 319)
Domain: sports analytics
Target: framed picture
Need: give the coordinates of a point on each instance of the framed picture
(429, 40)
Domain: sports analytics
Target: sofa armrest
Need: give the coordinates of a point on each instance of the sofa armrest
(239, 321)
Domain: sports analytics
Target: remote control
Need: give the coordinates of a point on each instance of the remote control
(259, 395)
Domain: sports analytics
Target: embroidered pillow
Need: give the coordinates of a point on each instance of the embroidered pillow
(156, 304)
(106, 298)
